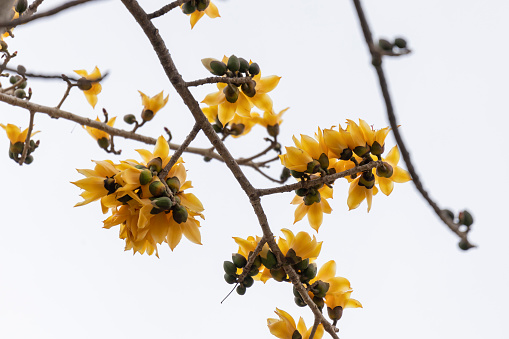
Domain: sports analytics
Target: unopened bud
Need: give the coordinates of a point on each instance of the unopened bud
(147, 114)
(103, 143)
(130, 119)
(217, 67)
(84, 84)
(254, 69)
(20, 93)
(188, 8)
(155, 165)
(465, 218)
(385, 171)
(248, 88)
(233, 63)
(157, 188)
(336, 313)
(145, 176)
(180, 214)
(231, 93)
(174, 184)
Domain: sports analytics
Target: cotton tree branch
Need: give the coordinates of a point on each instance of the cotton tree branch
(214, 80)
(27, 140)
(27, 18)
(377, 63)
(179, 84)
(165, 9)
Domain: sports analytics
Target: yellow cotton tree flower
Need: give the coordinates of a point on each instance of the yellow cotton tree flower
(302, 245)
(315, 210)
(195, 11)
(152, 105)
(270, 121)
(244, 103)
(247, 246)
(102, 138)
(7, 12)
(399, 175)
(93, 88)
(15, 134)
(238, 126)
(285, 327)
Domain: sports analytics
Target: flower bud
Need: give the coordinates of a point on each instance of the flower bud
(20, 93)
(237, 129)
(3, 45)
(217, 67)
(239, 260)
(310, 271)
(296, 174)
(324, 161)
(310, 198)
(248, 281)
(17, 147)
(14, 79)
(244, 65)
(367, 180)
(231, 93)
(229, 268)
(21, 69)
(155, 165)
(130, 119)
(254, 69)
(29, 159)
(273, 130)
(23, 85)
(377, 149)
(21, 6)
(253, 271)
(180, 214)
(361, 150)
(241, 289)
(465, 218)
(301, 192)
(319, 289)
(248, 88)
(233, 63)
(296, 335)
(163, 203)
(298, 300)
(385, 45)
(270, 261)
(84, 84)
(103, 142)
(291, 257)
(336, 313)
(278, 274)
(449, 214)
(319, 302)
(157, 188)
(257, 262)
(188, 8)
(202, 5)
(174, 184)
(147, 114)
(464, 245)
(230, 279)
(385, 171)
(313, 166)
(302, 265)
(400, 43)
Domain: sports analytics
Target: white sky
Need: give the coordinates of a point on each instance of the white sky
(63, 276)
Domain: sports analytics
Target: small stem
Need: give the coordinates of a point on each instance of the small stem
(67, 91)
(215, 80)
(265, 151)
(165, 9)
(315, 327)
(27, 139)
(251, 259)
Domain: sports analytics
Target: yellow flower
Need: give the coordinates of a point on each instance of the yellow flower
(243, 105)
(269, 118)
(284, 327)
(302, 244)
(211, 11)
(247, 246)
(95, 88)
(153, 104)
(12, 14)
(399, 175)
(97, 134)
(15, 134)
(307, 150)
(238, 125)
(314, 211)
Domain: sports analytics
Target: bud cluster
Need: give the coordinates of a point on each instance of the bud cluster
(399, 45)
(235, 268)
(16, 151)
(195, 5)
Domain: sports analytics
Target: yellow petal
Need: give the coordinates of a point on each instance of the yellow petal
(352, 303)
(400, 175)
(356, 195)
(226, 112)
(190, 201)
(315, 216)
(262, 101)
(300, 212)
(386, 185)
(162, 148)
(214, 99)
(195, 17)
(267, 84)
(191, 231)
(212, 11)
(174, 233)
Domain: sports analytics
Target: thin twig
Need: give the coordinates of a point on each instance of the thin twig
(52, 76)
(257, 169)
(251, 158)
(25, 18)
(33, 7)
(27, 139)
(315, 327)
(251, 258)
(67, 91)
(214, 80)
(394, 125)
(165, 9)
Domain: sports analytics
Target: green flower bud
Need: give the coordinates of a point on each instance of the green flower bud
(336, 313)
(163, 203)
(298, 300)
(257, 262)
(302, 265)
(296, 174)
(180, 214)
(367, 180)
(147, 114)
(207, 159)
(377, 149)
(319, 302)
(23, 85)
(248, 88)
(155, 165)
(301, 192)
(231, 93)
(239, 260)
(319, 289)
(449, 214)
(385, 45)
(464, 245)
(217, 67)
(385, 171)
(270, 261)
(248, 281)
(241, 289)
(157, 188)
(285, 174)
(237, 129)
(202, 5)
(103, 142)
(174, 184)
(29, 159)
(21, 6)
(21, 69)
(310, 271)
(254, 69)
(17, 148)
(145, 176)
(313, 167)
(346, 154)
(295, 292)
(177, 199)
(310, 199)
(278, 274)
(465, 218)
(273, 131)
(14, 79)
(244, 65)
(20, 93)
(253, 271)
(233, 63)
(324, 161)
(229, 268)
(188, 8)
(130, 119)
(296, 335)
(400, 42)
(230, 279)
(361, 150)
(84, 84)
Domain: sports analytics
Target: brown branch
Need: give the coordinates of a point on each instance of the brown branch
(27, 18)
(251, 158)
(67, 91)
(377, 63)
(315, 327)
(33, 7)
(251, 258)
(257, 169)
(165, 9)
(27, 139)
(215, 80)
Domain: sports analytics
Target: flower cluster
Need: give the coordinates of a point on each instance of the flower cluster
(149, 209)
(17, 140)
(197, 8)
(332, 151)
(89, 84)
(285, 328)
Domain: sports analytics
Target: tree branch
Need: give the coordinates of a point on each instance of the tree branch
(215, 80)
(165, 9)
(27, 140)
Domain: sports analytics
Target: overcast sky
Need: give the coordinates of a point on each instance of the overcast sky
(63, 276)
